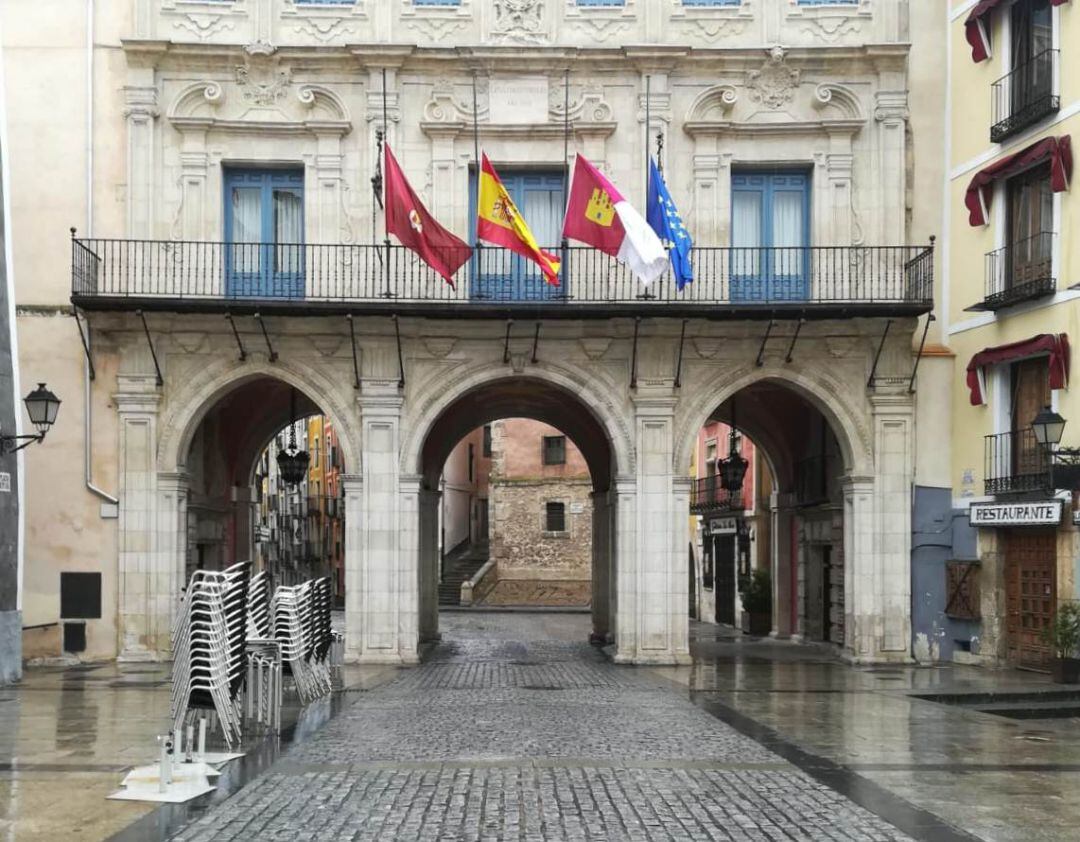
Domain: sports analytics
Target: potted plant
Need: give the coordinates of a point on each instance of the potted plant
(1063, 635)
(756, 596)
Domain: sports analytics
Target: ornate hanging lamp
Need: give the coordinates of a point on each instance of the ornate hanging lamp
(292, 462)
(733, 469)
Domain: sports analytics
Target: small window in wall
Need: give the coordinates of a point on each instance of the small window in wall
(554, 450)
(487, 440)
(555, 517)
(80, 596)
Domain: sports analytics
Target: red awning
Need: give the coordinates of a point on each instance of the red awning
(1056, 150)
(977, 26)
(1054, 345)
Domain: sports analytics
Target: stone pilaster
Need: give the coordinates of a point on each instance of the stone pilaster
(140, 111)
(429, 565)
(353, 488)
(169, 575)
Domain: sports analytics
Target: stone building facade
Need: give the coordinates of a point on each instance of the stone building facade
(187, 105)
(541, 516)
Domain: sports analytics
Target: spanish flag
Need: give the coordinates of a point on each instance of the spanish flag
(500, 223)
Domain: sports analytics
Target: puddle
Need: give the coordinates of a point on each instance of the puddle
(1039, 704)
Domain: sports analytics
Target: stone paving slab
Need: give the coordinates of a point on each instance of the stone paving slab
(507, 734)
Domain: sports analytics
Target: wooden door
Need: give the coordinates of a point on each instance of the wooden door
(1030, 595)
(724, 559)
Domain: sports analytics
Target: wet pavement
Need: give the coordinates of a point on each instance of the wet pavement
(515, 729)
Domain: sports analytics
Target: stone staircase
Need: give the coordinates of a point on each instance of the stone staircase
(459, 567)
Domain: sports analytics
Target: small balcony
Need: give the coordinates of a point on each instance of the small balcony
(1015, 463)
(245, 278)
(1024, 96)
(708, 496)
(1019, 272)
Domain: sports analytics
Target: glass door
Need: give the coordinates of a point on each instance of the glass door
(264, 233)
(770, 235)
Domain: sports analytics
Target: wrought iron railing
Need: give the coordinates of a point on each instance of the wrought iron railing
(815, 478)
(158, 270)
(1024, 96)
(708, 495)
(1020, 271)
(1014, 463)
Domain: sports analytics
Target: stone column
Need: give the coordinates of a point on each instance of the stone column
(139, 581)
(624, 518)
(601, 568)
(170, 574)
(140, 110)
(860, 569)
(783, 559)
(408, 572)
(430, 505)
(353, 488)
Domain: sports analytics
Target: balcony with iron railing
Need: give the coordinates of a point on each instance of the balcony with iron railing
(186, 276)
(1015, 463)
(1024, 96)
(1020, 271)
(708, 496)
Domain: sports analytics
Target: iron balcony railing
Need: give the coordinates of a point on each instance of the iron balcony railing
(106, 274)
(1019, 271)
(814, 478)
(708, 495)
(1024, 96)
(1015, 463)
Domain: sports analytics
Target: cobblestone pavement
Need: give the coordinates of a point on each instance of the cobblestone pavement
(513, 730)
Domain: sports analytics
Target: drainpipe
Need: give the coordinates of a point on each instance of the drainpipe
(88, 427)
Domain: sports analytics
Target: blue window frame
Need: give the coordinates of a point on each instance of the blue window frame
(325, 2)
(264, 233)
(601, 2)
(436, 2)
(499, 274)
(712, 2)
(770, 235)
(828, 2)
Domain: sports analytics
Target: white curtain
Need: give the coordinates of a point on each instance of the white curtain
(745, 232)
(788, 231)
(543, 213)
(288, 231)
(246, 228)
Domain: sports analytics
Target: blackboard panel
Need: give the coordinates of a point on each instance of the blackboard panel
(80, 596)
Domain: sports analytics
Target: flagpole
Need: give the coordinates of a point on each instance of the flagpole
(478, 258)
(386, 238)
(566, 172)
(648, 121)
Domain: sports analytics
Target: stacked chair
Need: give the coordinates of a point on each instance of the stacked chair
(301, 623)
(209, 636)
(258, 607)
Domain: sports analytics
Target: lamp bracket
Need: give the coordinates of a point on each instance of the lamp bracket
(877, 356)
(7, 443)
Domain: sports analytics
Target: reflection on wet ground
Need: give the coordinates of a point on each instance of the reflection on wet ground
(1002, 779)
(67, 735)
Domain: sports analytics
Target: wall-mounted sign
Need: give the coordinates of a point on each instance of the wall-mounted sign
(577, 508)
(519, 99)
(723, 526)
(5, 481)
(1042, 513)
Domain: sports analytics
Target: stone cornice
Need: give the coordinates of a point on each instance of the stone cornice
(696, 127)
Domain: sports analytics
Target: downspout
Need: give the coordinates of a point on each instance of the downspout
(88, 426)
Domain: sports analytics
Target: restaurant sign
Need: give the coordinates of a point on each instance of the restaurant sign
(723, 526)
(1042, 513)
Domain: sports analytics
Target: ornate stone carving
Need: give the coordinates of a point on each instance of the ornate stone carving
(831, 29)
(604, 28)
(519, 20)
(445, 107)
(595, 346)
(841, 98)
(323, 29)
(775, 84)
(263, 82)
(203, 26)
(436, 28)
(588, 105)
(718, 29)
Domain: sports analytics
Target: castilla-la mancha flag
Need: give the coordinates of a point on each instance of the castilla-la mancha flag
(499, 222)
(597, 214)
(409, 221)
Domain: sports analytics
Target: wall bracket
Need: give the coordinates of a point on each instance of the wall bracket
(922, 344)
(536, 341)
(236, 336)
(400, 358)
(150, 342)
(506, 342)
(682, 333)
(760, 361)
(266, 336)
(877, 356)
(794, 339)
(355, 361)
(85, 337)
(633, 355)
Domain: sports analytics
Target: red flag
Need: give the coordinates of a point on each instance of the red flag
(590, 214)
(409, 221)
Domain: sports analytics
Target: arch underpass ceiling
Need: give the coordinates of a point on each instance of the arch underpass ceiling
(780, 421)
(519, 397)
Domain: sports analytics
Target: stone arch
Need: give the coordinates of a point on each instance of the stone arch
(602, 405)
(821, 389)
(188, 406)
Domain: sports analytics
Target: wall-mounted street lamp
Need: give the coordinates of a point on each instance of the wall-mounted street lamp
(733, 469)
(42, 407)
(1048, 428)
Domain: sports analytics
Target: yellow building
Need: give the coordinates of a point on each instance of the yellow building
(1010, 308)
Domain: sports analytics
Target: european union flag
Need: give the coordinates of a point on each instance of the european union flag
(664, 219)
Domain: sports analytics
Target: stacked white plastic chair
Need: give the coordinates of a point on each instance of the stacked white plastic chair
(209, 637)
(298, 622)
(258, 607)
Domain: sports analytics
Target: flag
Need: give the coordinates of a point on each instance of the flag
(597, 214)
(500, 223)
(409, 221)
(664, 219)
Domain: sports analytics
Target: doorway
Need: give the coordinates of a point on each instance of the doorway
(1030, 596)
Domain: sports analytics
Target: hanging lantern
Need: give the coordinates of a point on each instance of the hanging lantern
(293, 462)
(733, 469)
